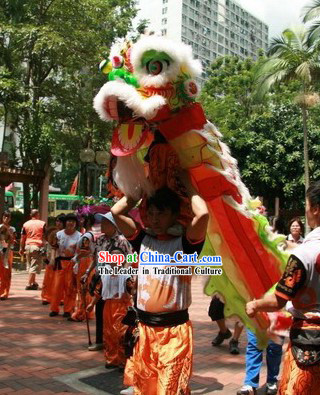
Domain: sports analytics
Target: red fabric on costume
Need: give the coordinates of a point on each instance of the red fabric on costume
(164, 171)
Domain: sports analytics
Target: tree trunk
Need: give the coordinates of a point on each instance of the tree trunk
(26, 201)
(277, 207)
(35, 195)
(305, 147)
(305, 154)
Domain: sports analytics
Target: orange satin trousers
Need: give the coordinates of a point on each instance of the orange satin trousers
(47, 283)
(163, 360)
(5, 274)
(64, 288)
(114, 331)
(298, 380)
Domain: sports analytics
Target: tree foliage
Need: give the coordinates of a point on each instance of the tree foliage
(265, 137)
(49, 56)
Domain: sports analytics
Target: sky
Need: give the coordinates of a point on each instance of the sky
(278, 14)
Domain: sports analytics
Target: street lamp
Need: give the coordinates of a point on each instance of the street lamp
(87, 155)
(93, 162)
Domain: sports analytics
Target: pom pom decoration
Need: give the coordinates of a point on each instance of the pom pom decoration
(191, 88)
(117, 62)
(105, 67)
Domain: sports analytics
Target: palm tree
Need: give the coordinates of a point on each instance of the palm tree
(293, 57)
(309, 13)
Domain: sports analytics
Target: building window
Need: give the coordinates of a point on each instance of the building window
(164, 1)
(221, 29)
(164, 32)
(164, 21)
(164, 10)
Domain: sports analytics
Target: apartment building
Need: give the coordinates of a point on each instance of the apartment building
(212, 27)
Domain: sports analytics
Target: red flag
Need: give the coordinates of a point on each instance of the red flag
(9, 187)
(74, 187)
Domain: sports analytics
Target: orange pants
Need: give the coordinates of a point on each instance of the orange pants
(47, 283)
(80, 311)
(298, 380)
(113, 330)
(163, 360)
(5, 275)
(64, 288)
(128, 373)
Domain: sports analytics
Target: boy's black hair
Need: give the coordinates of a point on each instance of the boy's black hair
(71, 217)
(165, 198)
(313, 194)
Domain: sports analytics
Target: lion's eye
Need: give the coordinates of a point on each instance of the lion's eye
(155, 67)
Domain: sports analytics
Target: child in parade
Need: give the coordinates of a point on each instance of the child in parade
(49, 272)
(83, 260)
(114, 291)
(63, 283)
(110, 238)
(163, 354)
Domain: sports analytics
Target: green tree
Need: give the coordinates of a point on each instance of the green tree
(265, 137)
(51, 49)
(293, 57)
(311, 12)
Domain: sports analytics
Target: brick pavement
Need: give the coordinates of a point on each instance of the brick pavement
(35, 350)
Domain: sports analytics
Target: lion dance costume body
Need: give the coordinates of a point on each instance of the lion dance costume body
(162, 131)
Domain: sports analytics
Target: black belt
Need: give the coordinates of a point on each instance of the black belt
(57, 261)
(163, 319)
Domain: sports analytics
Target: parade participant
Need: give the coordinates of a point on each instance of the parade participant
(163, 353)
(300, 283)
(113, 290)
(64, 281)
(216, 314)
(110, 238)
(83, 259)
(7, 240)
(49, 272)
(32, 241)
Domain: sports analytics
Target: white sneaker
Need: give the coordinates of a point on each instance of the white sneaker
(271, 389)
(246, 390)
(127, 391)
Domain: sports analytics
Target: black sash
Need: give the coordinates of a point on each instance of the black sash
(305, 345)
(163, 319)
(58, 259)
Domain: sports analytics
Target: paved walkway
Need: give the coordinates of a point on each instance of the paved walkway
(44, 355)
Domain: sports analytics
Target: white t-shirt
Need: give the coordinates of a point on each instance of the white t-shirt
(113, 286)
(67, 243)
